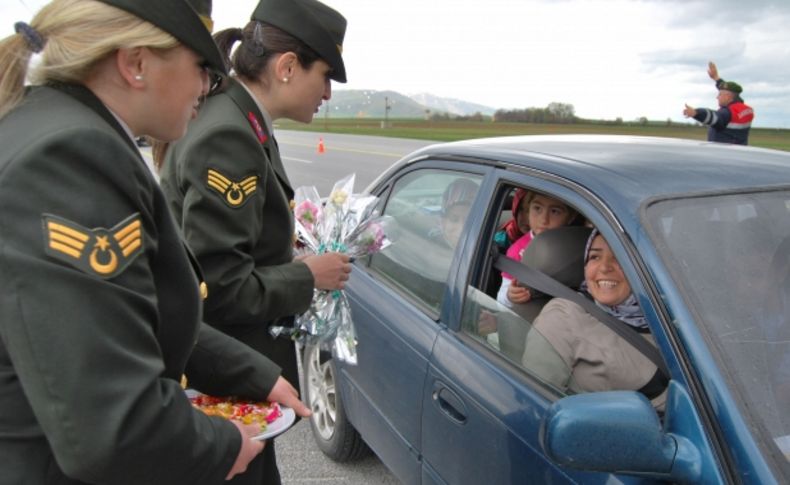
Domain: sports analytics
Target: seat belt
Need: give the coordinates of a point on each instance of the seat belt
(548, 285)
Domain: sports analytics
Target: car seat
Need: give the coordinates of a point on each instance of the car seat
(558, 253)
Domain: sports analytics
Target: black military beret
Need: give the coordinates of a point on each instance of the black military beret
(177, 18)
(320, 27)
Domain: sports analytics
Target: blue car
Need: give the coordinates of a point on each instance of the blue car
(702, 234)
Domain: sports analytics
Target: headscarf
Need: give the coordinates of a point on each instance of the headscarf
(629, 310)
(511, 227)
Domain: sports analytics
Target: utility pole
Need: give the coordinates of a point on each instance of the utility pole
(386, 112)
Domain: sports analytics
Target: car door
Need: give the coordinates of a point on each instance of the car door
(482, 411)
(396, 302)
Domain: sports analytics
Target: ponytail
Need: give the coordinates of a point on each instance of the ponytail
(15, 55)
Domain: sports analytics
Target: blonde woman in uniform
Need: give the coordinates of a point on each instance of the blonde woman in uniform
(100, 302)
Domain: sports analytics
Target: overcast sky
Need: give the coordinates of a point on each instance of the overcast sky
(608, 58)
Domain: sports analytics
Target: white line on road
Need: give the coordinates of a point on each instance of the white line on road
(298, 159)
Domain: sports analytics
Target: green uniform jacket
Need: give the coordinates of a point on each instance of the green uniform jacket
(100, 312)
(227, 185)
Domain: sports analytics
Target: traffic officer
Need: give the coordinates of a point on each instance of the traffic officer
(100, 302)
(227, 185)
(733, 120)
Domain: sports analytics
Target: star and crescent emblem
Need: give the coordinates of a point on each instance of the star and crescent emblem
(233, 193)
(105, 253)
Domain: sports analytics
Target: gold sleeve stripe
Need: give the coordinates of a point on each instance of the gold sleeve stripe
(65, 249)
(131, 247)
(133, 227)
(249, 185)
(55, 227)
(135, 236)
(69, 241)
(216, 175)
(217, 186)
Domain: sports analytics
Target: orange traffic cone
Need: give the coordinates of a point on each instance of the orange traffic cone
(321, 148)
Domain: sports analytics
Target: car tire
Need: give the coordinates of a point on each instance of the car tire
(333, 432)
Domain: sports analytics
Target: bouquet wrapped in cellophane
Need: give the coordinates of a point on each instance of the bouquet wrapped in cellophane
(344, 223)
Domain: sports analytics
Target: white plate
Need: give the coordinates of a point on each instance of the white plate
(275, 428)
(279, 426)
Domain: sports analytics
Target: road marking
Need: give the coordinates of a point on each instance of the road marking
(298, 159)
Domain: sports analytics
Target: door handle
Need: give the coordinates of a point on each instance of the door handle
(450, 403)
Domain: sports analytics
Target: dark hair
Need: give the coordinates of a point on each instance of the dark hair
(260, 42)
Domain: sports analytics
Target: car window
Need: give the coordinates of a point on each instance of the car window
(430, 208)
(731, 257)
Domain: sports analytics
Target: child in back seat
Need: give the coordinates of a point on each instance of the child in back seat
(517, 226)
(542, 213)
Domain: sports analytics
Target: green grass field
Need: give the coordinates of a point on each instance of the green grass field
(459, 130)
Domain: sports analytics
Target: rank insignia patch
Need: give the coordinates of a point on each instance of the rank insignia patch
(105, 253)
(235, 194)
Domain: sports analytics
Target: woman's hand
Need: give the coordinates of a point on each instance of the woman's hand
(518, 294)
(330, 270)
(284, 393)
(249, 448)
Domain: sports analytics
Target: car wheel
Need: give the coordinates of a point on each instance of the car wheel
(333, 432)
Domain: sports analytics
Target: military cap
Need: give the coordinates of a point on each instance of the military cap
(312, 22)
(177, 18)
(731, 86)
(203, 9)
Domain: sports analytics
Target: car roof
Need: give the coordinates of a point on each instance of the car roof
(629, 169)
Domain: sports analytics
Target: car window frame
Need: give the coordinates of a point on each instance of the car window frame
(592, 208)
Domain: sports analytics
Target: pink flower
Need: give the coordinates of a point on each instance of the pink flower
(307, 213)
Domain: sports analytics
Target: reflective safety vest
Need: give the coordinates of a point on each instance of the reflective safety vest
(742, 115)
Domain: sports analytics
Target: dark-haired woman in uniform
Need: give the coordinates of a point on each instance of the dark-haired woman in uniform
(227, 184)
(100, 303)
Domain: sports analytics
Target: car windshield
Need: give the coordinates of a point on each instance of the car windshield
(731, 256)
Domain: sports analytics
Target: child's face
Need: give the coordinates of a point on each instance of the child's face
(453, 222)
(547, 213)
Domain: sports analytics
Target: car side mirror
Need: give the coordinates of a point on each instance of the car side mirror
(615, 432)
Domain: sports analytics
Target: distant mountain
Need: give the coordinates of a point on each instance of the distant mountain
(358, 103)
(355, 103)
(450, 105)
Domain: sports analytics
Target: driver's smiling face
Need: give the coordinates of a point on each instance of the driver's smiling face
(605, 279)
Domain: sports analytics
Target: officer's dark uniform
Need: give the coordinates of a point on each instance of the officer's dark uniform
(731, 123)
(100, 302)
(227, 185)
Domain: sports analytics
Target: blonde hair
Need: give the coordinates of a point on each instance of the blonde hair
(77, 35)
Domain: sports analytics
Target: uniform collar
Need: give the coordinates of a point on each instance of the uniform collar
(267, 118)
(130, 135)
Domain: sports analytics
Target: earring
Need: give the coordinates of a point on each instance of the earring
(285, 79)
(138, 78)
